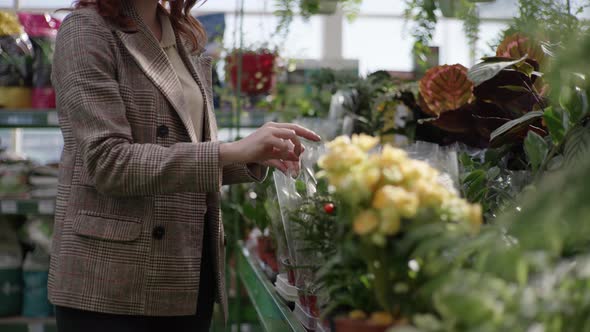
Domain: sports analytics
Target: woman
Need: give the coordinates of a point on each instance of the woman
(139, 245)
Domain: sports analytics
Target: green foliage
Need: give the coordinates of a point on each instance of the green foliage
(555, 21)
(423, 13)
(287, 9)
(495, 181)
(536, 149)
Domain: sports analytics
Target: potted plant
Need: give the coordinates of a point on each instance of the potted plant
(286, 9)
(423, 13)
(258, 70)
(382, 196)
(15, 64)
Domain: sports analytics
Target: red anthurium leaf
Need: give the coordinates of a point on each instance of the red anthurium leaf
(445, 88)
(519, 45)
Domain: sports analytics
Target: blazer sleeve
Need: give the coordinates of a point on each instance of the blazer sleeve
(243, 173)
(91, 107)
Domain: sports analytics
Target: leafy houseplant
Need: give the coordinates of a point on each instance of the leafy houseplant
(286, 10)
(423, 13)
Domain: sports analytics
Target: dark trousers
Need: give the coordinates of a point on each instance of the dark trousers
(74, 320)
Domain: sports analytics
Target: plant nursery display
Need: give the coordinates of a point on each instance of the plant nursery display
(451, 199)
(15, 72)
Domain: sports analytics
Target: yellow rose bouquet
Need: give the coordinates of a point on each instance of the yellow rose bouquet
(383, 194)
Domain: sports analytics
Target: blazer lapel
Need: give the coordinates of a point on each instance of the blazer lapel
(200, 68)
(152, 60)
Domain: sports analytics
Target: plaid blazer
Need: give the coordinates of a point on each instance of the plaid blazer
(136, 190)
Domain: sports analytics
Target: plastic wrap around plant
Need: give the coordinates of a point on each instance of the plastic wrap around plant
(278, 229)
(442, 158)
(445, 88)
(307, 213)
(338, 116)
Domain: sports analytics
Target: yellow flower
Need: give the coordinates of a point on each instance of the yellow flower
(381, 318)
(368, 176)
(338, 142)
(364, 142)
(390, 222)
(341, 159)
(9, 24)
(414, 170)
(403, 201)
(357, 314)
(475, 216)
(365, 222)
(391, 156)
(430, 194)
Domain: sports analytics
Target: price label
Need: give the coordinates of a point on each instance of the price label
(8, 207)
(52, 119)
(46, 207)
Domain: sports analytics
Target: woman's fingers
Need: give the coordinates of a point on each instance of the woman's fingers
(290, 135)
(281, 150)
(299, 131)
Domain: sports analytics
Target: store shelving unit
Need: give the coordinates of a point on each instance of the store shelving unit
(47, 118)
(273, 312)
(22, 324)
(14, 206)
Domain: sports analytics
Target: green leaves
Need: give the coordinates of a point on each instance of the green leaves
(536, 150)
(511, 128)
(575, 102)
(557, 123)
(577, 146)
(490, 67)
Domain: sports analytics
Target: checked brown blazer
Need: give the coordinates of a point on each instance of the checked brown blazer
(137, 188)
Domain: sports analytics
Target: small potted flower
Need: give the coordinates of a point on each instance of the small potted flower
(258, 70)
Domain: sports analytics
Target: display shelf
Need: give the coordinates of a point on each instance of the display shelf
(41, 207)
(25, 324)
(26, 118)
(273, 313)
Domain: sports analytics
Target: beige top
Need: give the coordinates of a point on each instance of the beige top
(192, 93)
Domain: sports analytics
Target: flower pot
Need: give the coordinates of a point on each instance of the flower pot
(312, 305)
(271, 260)
(345, 324)
(328, 7)
(290, 271)
(43, 98)
(258, 72)
(449, 8)
(15, 97)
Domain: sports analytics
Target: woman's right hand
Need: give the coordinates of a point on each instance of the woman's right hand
(273, 141)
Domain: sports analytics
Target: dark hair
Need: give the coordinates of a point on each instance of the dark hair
(180, 16)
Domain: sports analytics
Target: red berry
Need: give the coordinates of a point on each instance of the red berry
(329, 208)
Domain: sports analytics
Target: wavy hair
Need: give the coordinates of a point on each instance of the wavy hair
(179, 11)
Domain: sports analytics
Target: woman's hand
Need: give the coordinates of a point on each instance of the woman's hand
(274, 144)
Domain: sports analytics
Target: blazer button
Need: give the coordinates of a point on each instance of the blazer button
(162, 131)
(158, 232)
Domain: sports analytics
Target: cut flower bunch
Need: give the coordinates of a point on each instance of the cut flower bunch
(387, 189)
